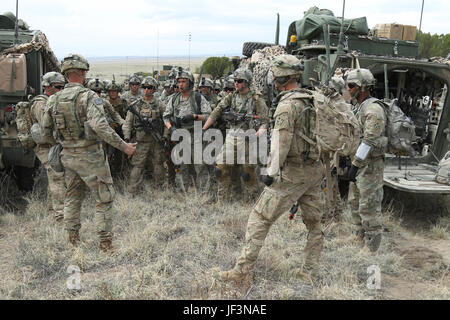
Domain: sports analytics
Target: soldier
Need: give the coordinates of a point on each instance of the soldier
(134, 93)
(76, 115)
(334, 203)
(206, 88)
(183, 108)
(113, 116)
(366, 193)
(149, 109)
(298, 180)
(248, 103)
(119, 104)
(168, 91)
(53, 82)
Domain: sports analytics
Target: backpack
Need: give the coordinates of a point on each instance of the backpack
(337, 130)
(443, 171)
(400, 129)
(24, 123)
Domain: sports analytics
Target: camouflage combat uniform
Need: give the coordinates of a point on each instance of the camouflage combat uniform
(178, 107)
(299, 180)
(147, 148)
(250, 103)
(366, 194)
(69, 112)
(130, 97)
(120, 105)
(56, 187)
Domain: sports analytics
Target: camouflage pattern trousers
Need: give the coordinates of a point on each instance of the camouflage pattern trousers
(299, 183)
(189, 174)
(233, 171)
(147, 150)
(365, 196)
(88, 168)
(56, 186)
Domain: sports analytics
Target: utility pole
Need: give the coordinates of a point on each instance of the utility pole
(189, 53)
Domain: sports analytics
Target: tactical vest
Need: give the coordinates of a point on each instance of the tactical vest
(195, 101)
(68, 115)
(248, 107)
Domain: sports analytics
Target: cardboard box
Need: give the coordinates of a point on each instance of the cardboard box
(392, 31)
(409, 32)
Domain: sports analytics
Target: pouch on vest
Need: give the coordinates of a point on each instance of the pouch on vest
(54, 158)
(36, 133)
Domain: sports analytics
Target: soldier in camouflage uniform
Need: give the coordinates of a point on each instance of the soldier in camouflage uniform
(134, 93)
(76, 118)
(206, 88)
(366, 191)
(168, 91)
(113, 116)
(53, 82)
(183, 109)
(296, 176)
(119, 104)
(246, 102)
(148, 148)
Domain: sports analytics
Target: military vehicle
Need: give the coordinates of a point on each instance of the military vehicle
(25, 56)
(327, 44)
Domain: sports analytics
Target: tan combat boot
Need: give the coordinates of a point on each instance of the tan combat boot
(73, 237)
(106, 245)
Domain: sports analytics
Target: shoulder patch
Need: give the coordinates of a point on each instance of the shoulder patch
(98, 101)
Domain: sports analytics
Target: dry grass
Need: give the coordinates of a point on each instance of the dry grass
(167, 246)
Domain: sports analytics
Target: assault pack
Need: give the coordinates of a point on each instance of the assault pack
(337, 129)
(400, 129)
(24, 123)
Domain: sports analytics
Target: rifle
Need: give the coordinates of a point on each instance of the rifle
(149, 127)
(237, 118)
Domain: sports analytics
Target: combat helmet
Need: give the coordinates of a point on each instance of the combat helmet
(337, 83)
(205, 82)
(286, 65)
(74, 61)
(184, 74)
(149, 81)
(52, 77)
(243, 74)
(134, 79)
(113, 86)
(361, 78)
(95, 85)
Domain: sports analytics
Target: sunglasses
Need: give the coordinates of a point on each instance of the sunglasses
(148, 87)
(58, 87)
(351, 85)
(281, 79)
(239, 80)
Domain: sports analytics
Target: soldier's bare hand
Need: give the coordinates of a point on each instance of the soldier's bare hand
(130, 149)
(260, 132)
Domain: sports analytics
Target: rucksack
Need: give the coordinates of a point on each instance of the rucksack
(24, 123)
(337, 130)
(400, 129)
(443, 171)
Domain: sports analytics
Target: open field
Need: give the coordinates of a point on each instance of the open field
(167, 246)
(122, 68)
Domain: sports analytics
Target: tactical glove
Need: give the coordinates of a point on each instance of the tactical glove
(187, 119)
(352, 173)
(268, 180)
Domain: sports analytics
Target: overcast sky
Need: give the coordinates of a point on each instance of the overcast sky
(100, 28)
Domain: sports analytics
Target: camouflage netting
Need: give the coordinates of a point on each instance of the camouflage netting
(440, 60)
(39, 42)
(259, 63)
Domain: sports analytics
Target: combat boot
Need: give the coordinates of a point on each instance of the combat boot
(106, 245)
(73, 237)
(372, 240)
